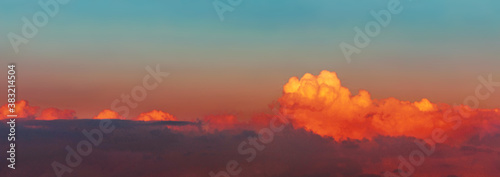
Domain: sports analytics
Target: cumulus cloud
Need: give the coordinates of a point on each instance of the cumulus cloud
(332, 133)
(155, 115)
(108, 114)
(322, 105)
(22, 110)
(54, 113)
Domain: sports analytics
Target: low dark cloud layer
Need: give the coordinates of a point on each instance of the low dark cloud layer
(173, 148)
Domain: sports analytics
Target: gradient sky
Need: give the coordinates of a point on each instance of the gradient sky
(93, 51)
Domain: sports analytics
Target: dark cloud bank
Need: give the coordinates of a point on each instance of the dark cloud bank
(150, 149)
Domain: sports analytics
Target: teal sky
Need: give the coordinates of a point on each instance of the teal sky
(92, 51)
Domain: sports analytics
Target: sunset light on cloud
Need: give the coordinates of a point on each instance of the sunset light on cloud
(23, 110)
(155, 115)
(108, 114)
(54, 113)
(250, 88)
(320, 104)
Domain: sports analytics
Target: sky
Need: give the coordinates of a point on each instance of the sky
(91, 52)
(266, 85)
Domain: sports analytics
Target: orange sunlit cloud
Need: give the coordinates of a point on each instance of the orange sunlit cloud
(22, 110)
(156, 115)
(322, 105)
(54, 113)
(220, 122)
(108, 114)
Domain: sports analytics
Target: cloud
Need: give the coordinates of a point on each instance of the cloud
(155, 115)
(220, 122)
(54, 113)
(22, 110)
(108, 114)
(139, 148)
(322, 105)
(332, 133)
